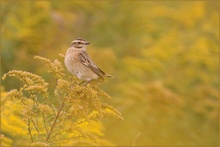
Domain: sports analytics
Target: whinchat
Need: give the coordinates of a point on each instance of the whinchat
(80, 64)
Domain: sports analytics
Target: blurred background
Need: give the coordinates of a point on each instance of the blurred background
(163, 55)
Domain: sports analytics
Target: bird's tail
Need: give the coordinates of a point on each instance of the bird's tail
(105, 74)
(110, 76)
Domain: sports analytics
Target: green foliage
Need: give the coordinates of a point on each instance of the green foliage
(68, 117)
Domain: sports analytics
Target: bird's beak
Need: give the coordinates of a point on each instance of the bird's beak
(87, 43)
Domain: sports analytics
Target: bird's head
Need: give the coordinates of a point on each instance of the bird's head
(79, 44)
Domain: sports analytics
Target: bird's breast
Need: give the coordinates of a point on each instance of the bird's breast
(74, 66)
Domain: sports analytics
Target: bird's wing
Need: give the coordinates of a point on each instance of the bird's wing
(85, 59)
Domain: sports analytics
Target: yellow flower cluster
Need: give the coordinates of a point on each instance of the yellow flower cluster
(54, 67)
(72, 112)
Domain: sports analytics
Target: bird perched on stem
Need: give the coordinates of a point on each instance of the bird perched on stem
(80, 64)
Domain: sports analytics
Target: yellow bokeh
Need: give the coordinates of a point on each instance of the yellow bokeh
(163, 56)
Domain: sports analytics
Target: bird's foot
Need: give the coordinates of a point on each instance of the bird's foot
(84, 83)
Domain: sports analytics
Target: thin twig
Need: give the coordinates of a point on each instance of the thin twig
(55, 120)
(135, 139)
(29, 131)
(35, 101)
(82, 121)
(45, 124)
(35, 125)
(36, 128)
(48, 101)
(29, 128)
(36, 105)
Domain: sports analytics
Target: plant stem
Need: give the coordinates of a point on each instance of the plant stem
(36, 105)
(29, 131)
(36, 128)
(45, 125)
(29, 127)
(48, 101)
(55, 120)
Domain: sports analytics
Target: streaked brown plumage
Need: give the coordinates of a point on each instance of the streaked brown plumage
(80, 64)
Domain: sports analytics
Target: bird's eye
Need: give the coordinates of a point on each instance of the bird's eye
(79, 42)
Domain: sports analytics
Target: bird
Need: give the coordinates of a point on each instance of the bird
(80, 64)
